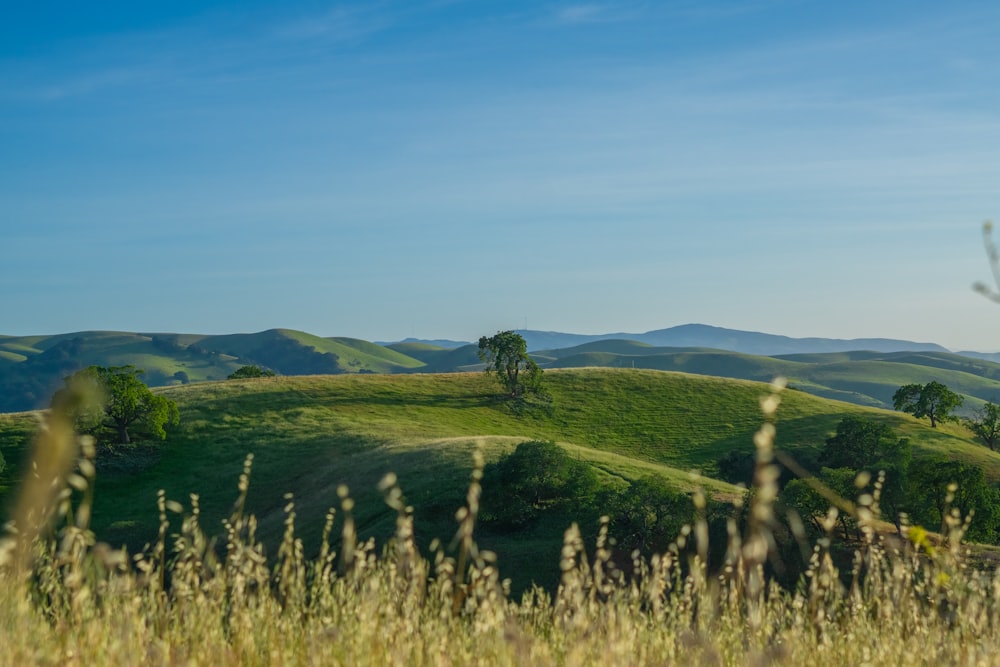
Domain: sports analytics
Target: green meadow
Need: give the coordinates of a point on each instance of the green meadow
(310, 434)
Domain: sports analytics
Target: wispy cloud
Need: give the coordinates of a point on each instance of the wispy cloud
(87, 83)
(340, 24)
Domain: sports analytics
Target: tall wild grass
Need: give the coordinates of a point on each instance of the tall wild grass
(193, 599)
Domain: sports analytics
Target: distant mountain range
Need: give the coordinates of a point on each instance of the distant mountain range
(864, 371)
(733, 340)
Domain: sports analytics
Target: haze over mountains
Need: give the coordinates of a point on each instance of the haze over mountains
(864, 371)
(748, 342)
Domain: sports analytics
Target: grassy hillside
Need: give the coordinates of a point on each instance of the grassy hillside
(310, 434)
(32, 367)
(440, 359)
(865, 378)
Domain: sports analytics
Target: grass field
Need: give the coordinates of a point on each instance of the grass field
(67, 598)
(310, 434)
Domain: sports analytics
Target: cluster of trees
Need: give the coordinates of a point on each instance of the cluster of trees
(252, 371)
(938, 403)
(917, 487)
(540, 477)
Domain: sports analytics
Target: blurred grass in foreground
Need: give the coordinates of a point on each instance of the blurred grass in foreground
(191, 599)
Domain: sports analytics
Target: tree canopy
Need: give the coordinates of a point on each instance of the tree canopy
(933, 400)
(938, 485)
(864, 444)
(986, 425)
(859, 445)
(506, 357)
(534, 477)
(125, 407)
(245, 372)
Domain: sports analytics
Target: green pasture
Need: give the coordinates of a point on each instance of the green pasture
(310, 434)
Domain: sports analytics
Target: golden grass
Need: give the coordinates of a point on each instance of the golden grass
(186, 600)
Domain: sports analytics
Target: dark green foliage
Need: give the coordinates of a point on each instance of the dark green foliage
(533, 478)
(737, 467)
(932, 400)
(859, 445)
(803, 496)
(930, 480)
(864, 444)
(116, 405)
(245, 372)
(647, 515)
(986, 425)
(506, 357)
(870, 446)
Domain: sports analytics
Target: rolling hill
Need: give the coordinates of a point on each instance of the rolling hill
(310, 434)
(32, 367)
(862, 377)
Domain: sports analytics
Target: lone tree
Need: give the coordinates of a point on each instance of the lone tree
(986, 425)
(506, 357)
(933, 400)
(125, 407)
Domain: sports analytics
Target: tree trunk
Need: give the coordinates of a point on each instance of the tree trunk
(123, 434)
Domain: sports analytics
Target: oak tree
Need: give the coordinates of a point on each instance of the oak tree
(506, 357)
(986, 425)
(125, 406)
(933, 400)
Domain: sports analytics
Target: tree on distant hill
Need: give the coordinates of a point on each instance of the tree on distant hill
(245, 372)
(986, 425)
(124, 406)
(933, 400)
(506, 357)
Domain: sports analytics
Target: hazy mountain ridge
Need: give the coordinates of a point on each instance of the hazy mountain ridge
(750, 342)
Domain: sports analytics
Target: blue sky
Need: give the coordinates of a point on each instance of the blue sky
(448, 169)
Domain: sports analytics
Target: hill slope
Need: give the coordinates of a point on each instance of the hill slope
(310, 434)
(862, 377)
(32, 367)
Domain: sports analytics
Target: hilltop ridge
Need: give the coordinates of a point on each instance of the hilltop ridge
(864, 371)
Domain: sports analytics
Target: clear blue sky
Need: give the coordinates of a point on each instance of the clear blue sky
(448, 169)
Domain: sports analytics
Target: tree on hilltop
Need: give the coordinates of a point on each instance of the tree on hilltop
(506, 357)
(933, 400)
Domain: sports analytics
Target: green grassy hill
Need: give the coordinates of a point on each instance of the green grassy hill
(32, 367)
(865, 378)
(441, 359)
(310, 434)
